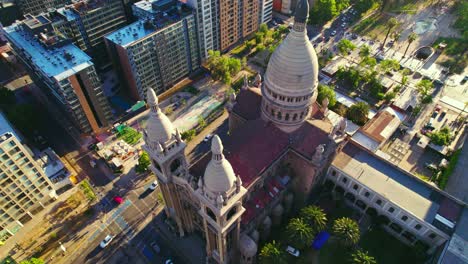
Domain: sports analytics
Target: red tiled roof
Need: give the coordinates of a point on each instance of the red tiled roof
(307, 138)
(248, 103)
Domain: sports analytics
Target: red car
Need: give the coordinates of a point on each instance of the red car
(118, 199)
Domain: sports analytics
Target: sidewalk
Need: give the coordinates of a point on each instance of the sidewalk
(22, 234)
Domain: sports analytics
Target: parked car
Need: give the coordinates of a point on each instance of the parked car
(104, 243)
(169, 261)
(293, 251)
(118, 199)
(333, 33)
(434, 114)
(208, 137)
(155, 247)
(432, 166)
(153, 186)
(443, 114)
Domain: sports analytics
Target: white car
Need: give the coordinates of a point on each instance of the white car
(208, 137)
(153, 186)
(106, 241)
(293, 251)
(169, 261)
(333, 33)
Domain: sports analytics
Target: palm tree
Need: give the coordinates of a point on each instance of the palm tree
(362, 257)
(272, 253)
(299, 233)
(392, 22)
(412, 37)
(315, 217)
(346, 230)
(396, 36)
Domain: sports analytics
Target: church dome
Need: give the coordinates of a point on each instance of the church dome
(158, 128)
(219, 176)
(293, 67)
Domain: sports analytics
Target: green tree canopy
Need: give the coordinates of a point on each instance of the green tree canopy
(341, 5)
(350, 75)
(441, 137)
(263, 28)
(299, 233)
(32, 261)
(328, 92)
(272, 253)
(368, 62)
(345, 46)
(223, 67)
(364, 51)
(358, 113)
(143, 162)
(391, 24)
(346, 230)
(388, 65)
(362, 257)
(424, 87)
(315, 217)
(322, 11)
(259, 37)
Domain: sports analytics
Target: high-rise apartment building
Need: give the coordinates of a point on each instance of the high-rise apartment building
(158, 50)
(63, 72)
(86, 22)
(24, 187)
(223, 23)
(266, 11)
(35, 7)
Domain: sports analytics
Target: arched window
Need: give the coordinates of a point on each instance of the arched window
(210, 214)
(232, 212)
(302, 115)
(175, 165)
(272, 112)
(286, 117)
(279, 116)
(295, 117)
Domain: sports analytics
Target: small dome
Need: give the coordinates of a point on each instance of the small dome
(158, 128)
(247, 246)
(219, 176)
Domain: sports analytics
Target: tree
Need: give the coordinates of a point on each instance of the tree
(276, 35)
(345, 46)
(364, 51)
(368, 62)
(223, 67)
(424, 87)
(392, 23)
(322, 11)
(388, 64)
(315, 217)
(201, 122)
(346, 230)
(300, 234)
(32, 261)
(328, 92)
(143, 162)
(350, 75)
(362, 257)
(7, 97)
(259, 37)
(396, 35)
(283, 29)
(441, 137)
(341, 5)
(358, 113)
(263, 28)
(412, 37)
(272, 253)
(188, 135)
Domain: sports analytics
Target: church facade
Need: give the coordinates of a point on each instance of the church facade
(279, 147)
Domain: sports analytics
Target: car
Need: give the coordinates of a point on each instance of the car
(431, 166)
(155, 247)
(437, 108)
(333, 33)
(343, 25)
(153, 186)
(92, 163)
(118, 199)
(443, 114)
(354, 36)
(274, 23)
(434, 114)
(168, 261)
(464, 80)
(104, 243)
(293, 251)
(208, 137)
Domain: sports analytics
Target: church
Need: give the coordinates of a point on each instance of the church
(280, 144)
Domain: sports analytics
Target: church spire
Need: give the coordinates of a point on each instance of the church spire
(302, 11)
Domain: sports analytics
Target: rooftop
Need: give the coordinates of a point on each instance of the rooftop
(144, 27)
(55, 61)
(457, 249)
(6, 127)
(401, 188)
(73, 11)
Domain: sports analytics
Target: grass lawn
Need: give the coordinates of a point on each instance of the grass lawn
(129, 135)
(455, 46)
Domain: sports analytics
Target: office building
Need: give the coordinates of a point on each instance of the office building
(222, 24)
(266, 11)
(24, 187)
(86, 22)
(158, 50)
(35, 7)
(64, 73)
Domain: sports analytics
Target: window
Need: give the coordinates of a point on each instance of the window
(355, 187)
(366, 194)
(379, 202)
(404, 218)
(391, 209)
(344, 180)
(432, 236)
(417, 227)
